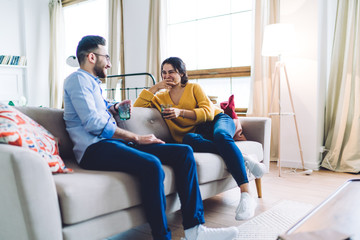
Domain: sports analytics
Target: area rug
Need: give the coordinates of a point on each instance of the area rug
(275, 221)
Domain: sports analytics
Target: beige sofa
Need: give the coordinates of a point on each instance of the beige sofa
(94, 204)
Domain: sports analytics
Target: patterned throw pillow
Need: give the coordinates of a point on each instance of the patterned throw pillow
(18, 129)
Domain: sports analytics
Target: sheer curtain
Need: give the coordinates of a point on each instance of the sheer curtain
(57, 60)
(342, 114)
(265, 12)
(156, 36)
(116, 45)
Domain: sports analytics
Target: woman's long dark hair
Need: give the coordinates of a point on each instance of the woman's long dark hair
(179, 66)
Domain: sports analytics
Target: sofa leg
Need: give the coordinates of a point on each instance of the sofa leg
(258, 187)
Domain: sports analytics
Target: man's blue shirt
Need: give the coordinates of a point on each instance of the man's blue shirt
(86, 112)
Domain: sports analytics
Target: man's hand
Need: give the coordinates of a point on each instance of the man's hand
(135, 138)
(116, 106)
(148, 139)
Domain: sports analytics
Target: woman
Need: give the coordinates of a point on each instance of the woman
(194, 120)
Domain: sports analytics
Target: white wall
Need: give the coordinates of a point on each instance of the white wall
(302, 68)
(135, 37)
(37, 50)
(11, 36)
(135, 34)
(25, 31)
(308, 70)
(11, 78)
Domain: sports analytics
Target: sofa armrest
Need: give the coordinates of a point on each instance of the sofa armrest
(29, 206)
(258, 129)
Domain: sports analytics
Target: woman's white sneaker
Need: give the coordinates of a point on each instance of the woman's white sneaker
(246, 207)
(256, 168)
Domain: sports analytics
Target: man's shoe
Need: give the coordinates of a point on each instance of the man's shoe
(201, 232)
(256, 168)
(205, 233)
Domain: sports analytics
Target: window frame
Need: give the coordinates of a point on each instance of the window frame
(66, 3)
(244, 71)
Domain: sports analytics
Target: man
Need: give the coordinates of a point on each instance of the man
(100, 145)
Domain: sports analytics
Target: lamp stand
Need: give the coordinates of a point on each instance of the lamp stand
(276, 81)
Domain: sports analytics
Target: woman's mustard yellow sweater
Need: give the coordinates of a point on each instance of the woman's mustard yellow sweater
(193, 98)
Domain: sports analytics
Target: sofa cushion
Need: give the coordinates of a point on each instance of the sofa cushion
(212, 167)
(86, 194)
(18, 129)
(251, 147)
(146, 121)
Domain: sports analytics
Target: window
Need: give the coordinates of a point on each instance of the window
(213, 37)
(84, 18)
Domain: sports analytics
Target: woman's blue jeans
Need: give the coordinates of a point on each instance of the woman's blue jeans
(217, 137)
(145, 162)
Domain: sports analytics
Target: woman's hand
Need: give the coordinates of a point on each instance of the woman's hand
(164, 84)
(171, 113)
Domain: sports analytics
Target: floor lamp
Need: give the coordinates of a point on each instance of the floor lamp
(279, 39)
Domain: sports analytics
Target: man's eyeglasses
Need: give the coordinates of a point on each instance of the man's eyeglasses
(106, 56)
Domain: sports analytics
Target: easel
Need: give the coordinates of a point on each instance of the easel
(276, 81)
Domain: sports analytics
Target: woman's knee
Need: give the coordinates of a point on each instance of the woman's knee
(190, 138)
(222, 136)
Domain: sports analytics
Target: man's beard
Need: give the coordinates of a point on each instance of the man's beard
(100, 73)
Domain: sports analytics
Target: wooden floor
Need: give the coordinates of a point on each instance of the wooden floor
(219, 210)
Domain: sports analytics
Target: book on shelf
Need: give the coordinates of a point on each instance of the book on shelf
(12, 60)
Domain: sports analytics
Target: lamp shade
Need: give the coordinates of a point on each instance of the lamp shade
(72, 61)
(278, 39)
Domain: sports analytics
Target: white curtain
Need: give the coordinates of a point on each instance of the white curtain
(116, 45)
(116, 37)
(342, 114)
(156, 36)
(57, 60)
(265, 12)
